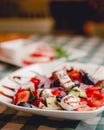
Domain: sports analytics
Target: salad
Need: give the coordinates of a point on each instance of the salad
(43, 53)
(67, 89)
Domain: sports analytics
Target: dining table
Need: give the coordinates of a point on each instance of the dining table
(11, 119)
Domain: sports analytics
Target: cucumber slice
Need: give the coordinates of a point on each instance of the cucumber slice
(52, 103)
(83, 94)
(80, 93)
(75, 92)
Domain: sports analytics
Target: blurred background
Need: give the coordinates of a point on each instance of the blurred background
(82, 17)
(81, 20)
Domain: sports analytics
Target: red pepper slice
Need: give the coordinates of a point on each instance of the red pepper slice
(75, 75)
(35, 81)
(90, 90)
(96, 99)
(56, 92)
(34, 93)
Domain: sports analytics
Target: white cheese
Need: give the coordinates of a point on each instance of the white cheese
(64, 79)
(44, 93)
(70, 102)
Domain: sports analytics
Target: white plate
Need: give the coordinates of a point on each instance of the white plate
(46, 69)
(16, 51)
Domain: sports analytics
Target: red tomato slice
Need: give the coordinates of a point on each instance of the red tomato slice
(22, 96)
(15, 97)
(96, 99)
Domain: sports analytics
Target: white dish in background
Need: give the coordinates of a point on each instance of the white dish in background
(11, 51)
(46, 69)
(17, 51)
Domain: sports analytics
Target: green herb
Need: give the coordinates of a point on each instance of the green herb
(60, 52)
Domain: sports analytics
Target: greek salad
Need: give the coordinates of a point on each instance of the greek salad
(67, 89)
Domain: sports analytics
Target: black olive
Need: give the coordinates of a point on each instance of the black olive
(24, 104)
(87, 80)
(59, 98)
(55, 83)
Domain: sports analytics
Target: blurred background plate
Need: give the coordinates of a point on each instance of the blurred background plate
(22, 52)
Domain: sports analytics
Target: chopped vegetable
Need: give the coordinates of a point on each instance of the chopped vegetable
(75, 75)
(60, 52)
(66, 89)
(96, 99)
(22, 96)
